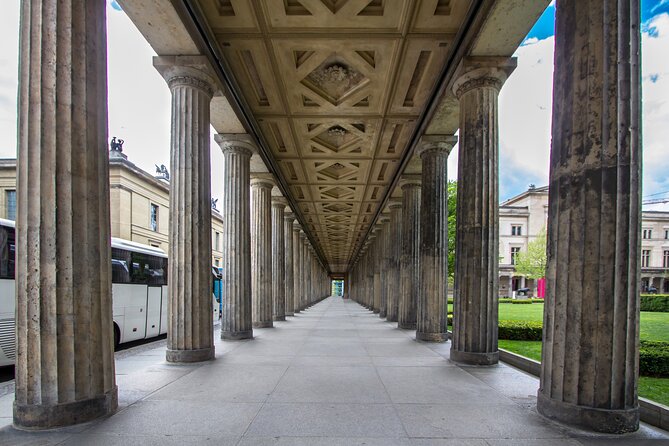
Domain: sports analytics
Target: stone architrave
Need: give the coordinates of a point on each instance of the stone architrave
(261, 250)
(64, 329)
(289, 275)
(477, 87)
(589, 367)
(410, 258)
(278, 260)
(236, 317)
(393, 260)
(432, 299)
(190, 333)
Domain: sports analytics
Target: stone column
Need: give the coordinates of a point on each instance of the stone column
(410, 258)
(288, 220)
(477, 250)
(261, 250)
(278, 259)
(303, 271)
(236, 315)
(384, 241)
(375, 255)
(64, 329)
(297, 272)
(432, 299)
(589, 368)
(190, 333)
(393, 259)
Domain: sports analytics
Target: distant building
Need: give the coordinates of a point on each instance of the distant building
(139, 204)
(522, 217)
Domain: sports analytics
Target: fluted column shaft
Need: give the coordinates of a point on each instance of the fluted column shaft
(190, 333)
(236, 320)
(303, 271)
(410, 258)
(261, 252)
(432, 299)
(65, 347)
(278, 260)
(477, 250)
(589, 367)
(383, 266)
(297, 272)
(375, 269)
(393, 261)
(288, 273)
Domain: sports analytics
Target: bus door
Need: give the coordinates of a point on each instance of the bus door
(154, 303)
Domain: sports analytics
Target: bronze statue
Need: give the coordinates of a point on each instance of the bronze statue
(117, 144)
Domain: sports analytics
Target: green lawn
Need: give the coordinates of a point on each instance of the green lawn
(654, 326)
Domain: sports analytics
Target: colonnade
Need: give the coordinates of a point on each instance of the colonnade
(65, 363)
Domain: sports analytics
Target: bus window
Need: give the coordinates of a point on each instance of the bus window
(7, 253)
(120, 270)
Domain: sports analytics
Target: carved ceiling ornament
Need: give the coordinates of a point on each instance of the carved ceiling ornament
(334, 79)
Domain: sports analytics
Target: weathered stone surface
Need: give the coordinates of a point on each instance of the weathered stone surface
(384, 241)
(64, 328)
(261, 250)
(589, 366)
(278, 260)
(190, 334)
(393, 260)
(289, 275)
(410, 258)
(432, 301)
(236, 319)
(297, 264)
(474, 339)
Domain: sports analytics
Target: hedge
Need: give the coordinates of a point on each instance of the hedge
(654, 358)
(520, 330)
(654, 302)
(522, 301)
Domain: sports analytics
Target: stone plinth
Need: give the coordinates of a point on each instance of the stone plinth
(261, 250)
(589, 367)
(476, 295)
(64, 329)
(236, 320)
(432, 301)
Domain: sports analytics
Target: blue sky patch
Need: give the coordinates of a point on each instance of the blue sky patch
(115, 5)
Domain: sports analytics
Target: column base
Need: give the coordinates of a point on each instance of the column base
(297, 311)
(431, 337)
(236, 335)
(280, 318)
(34, 417)
(291, 314)
(186, 356)
(594, 419)
(473, 358)
(382, 313)
(391, 318)
(406, 325)
(263, 324)
(375, 310)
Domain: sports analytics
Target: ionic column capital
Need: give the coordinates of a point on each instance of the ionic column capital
(265, 180)
(240, 143)
(289, 218)
(190, 71)
(409, 181)
(395, 203)
(279, 202)
(482, 72)
(436, 144)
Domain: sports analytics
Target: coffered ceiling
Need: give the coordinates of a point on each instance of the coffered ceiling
(336, 87)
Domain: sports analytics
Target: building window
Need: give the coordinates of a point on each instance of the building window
(647, 234)
(516, 230)
(217, 239)
(10, 197)
(645, 258)
(666, 234)
(514, 253)
(665, 262)
(154, 217)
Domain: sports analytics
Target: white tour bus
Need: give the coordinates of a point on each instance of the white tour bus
(139, 292)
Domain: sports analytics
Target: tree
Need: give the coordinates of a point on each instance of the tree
(532, 263)
(452, 206)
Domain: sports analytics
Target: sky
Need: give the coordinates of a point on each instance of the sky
(139, 101)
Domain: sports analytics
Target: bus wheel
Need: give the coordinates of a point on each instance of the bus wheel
(117, 337)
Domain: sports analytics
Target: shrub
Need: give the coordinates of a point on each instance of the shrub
(505, 300)
(520, 330)
(654, 302)
(537, 300)
(654, 358)
(522, 301)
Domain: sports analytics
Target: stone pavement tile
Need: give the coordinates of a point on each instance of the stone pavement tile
(438, 385)
(323, 441)
(407, 349)
(252, 360)
(328, 348)
(269, 347)
(6, 421)
(148, 440)
(10, 436)
(330, 385)
(447, 442)
(411, 361)
(332, 361)
(223, 382)
(140, 384)
(334, 333)
(645, 436)
(326, 420)
(516, 385)
(453, 419)
(7, 405)
(365, 333)
(533, 442)
(171, 418)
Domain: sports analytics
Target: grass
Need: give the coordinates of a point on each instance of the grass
(653, 326)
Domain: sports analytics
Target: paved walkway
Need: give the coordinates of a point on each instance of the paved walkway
(333, 375)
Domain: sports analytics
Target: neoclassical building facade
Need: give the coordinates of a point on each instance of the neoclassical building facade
(343, 114)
